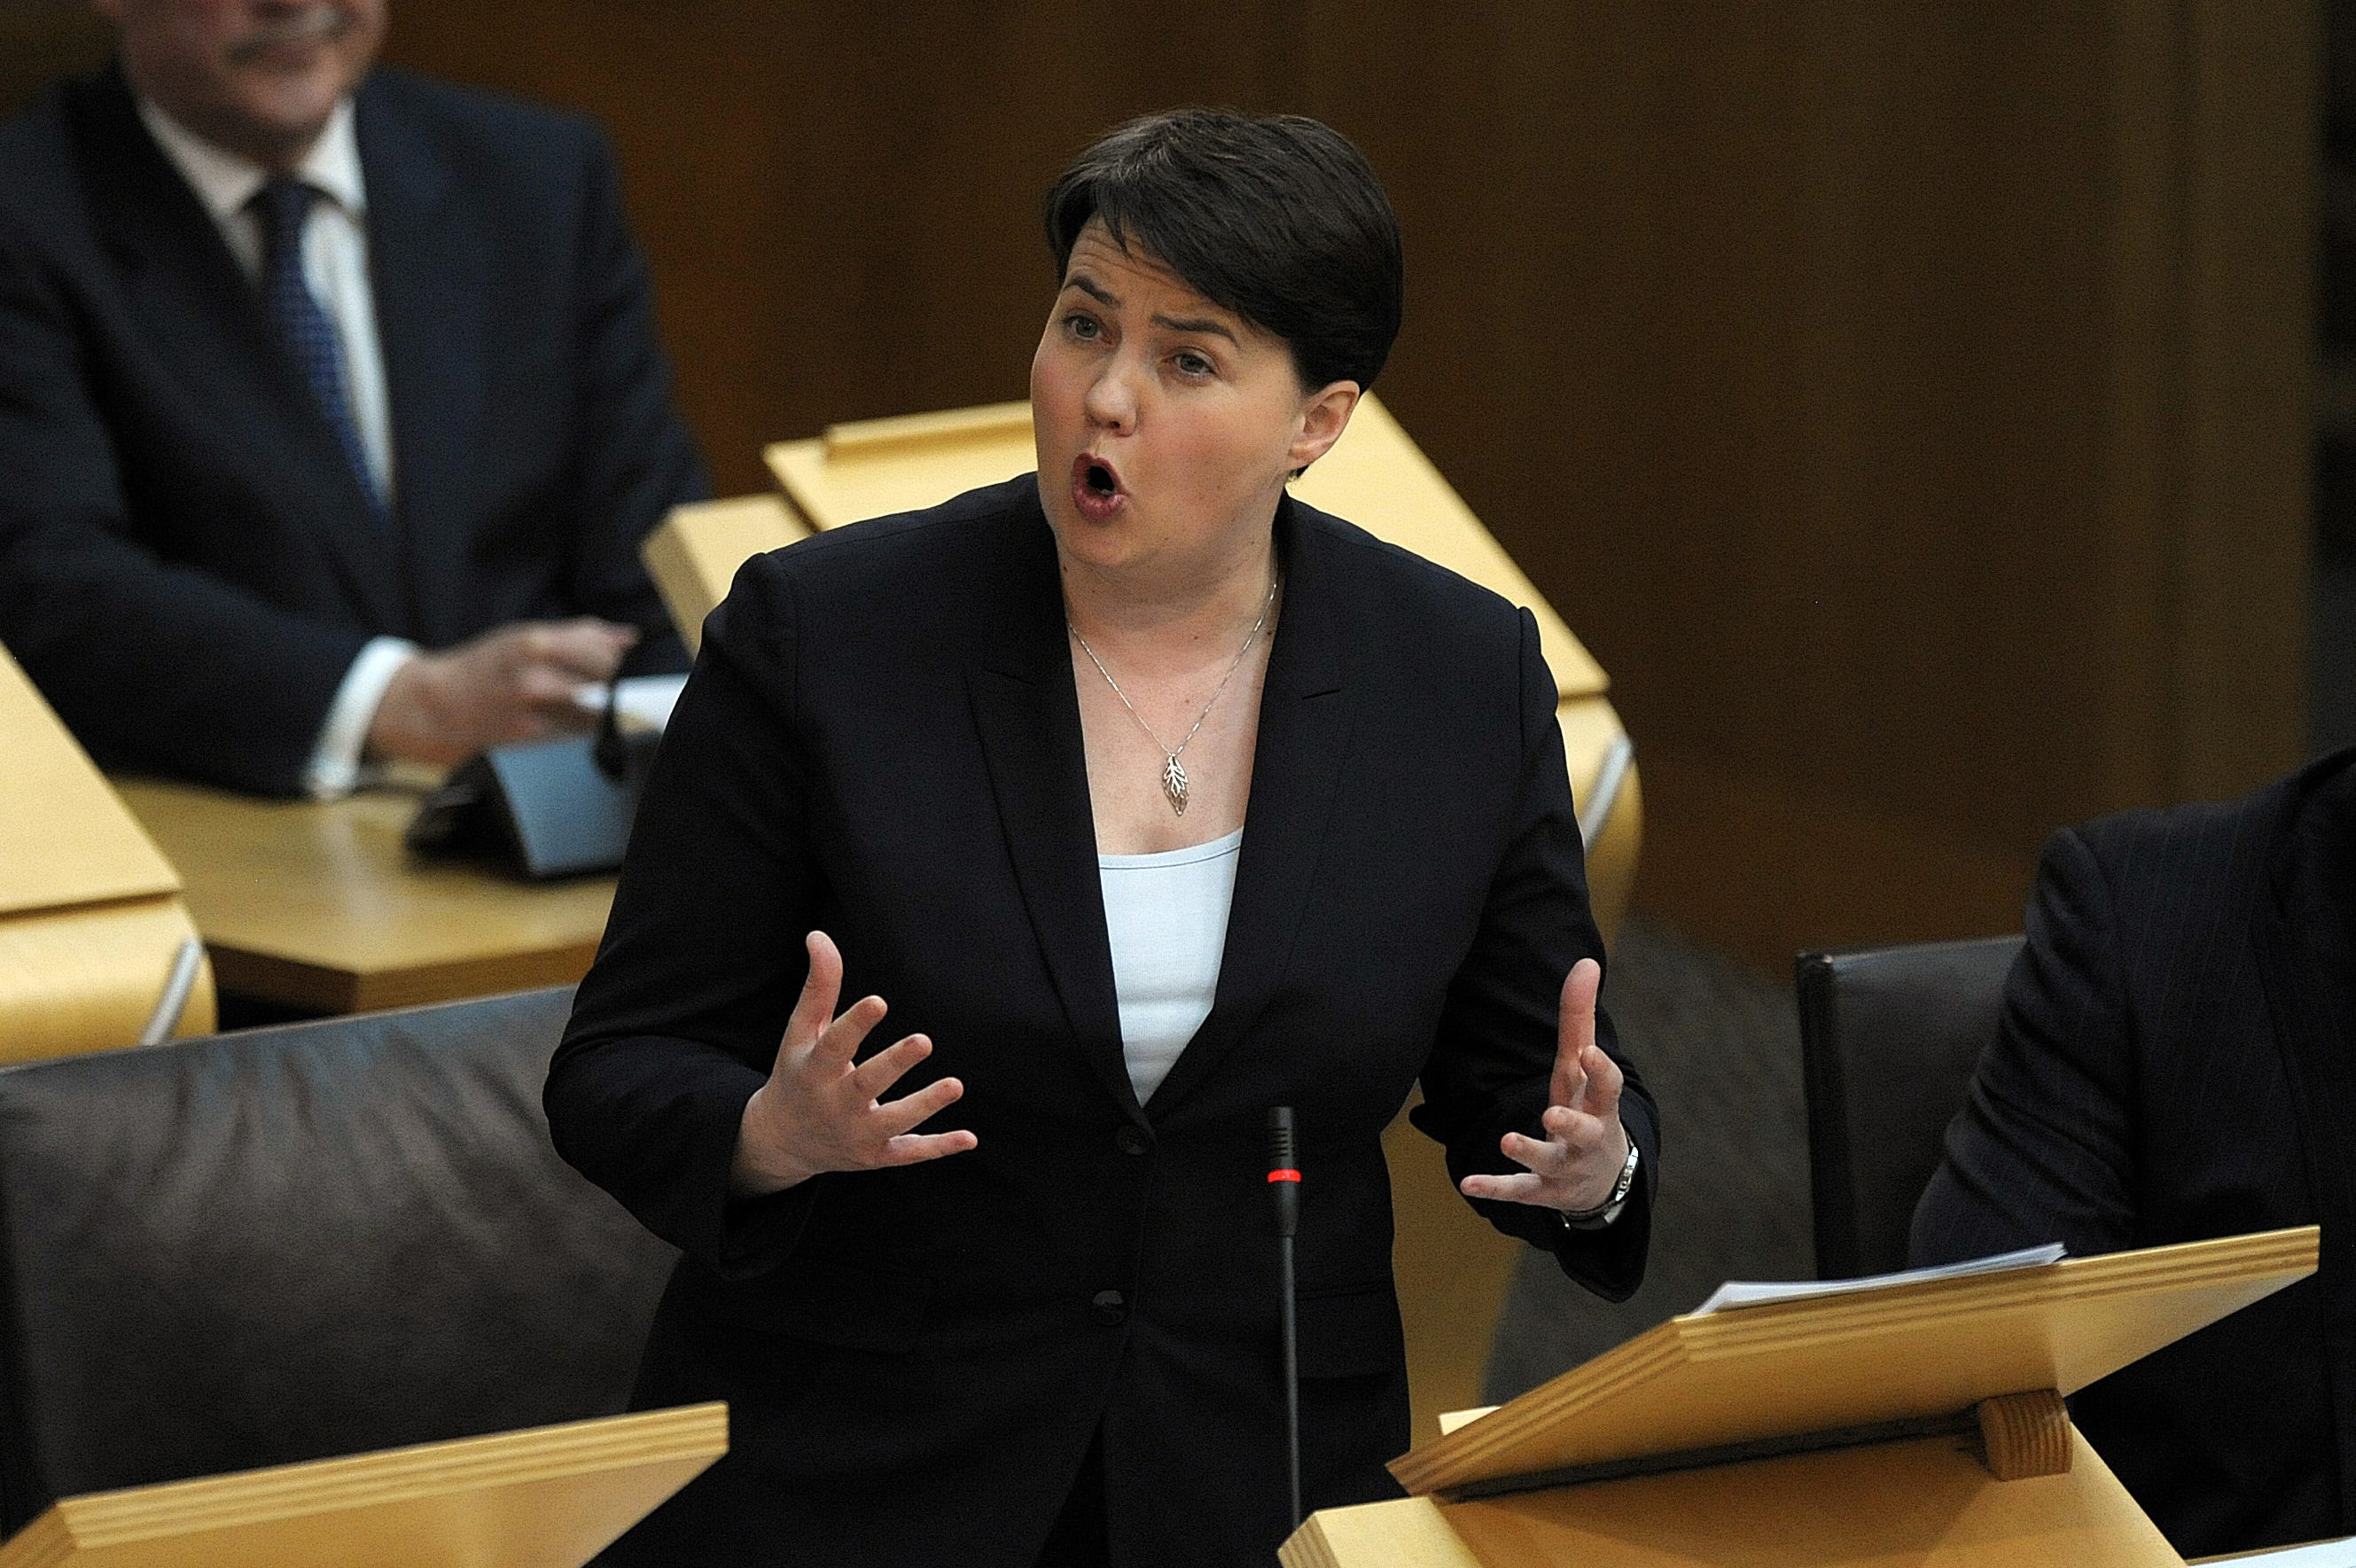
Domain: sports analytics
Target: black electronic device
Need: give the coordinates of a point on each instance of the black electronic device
(547, 808)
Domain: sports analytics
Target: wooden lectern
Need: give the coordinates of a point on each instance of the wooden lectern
(1920, 1423)
(551, 1497)
(91, 924)
(1453, 1269)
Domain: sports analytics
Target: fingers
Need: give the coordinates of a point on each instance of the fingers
(1574, 1166)
(879, 1072)
(913, 1111)
(910, 1149)
(515, 683)
(1505, 1189)
(1575, 1030)
(822, 1108)
(1599, 1097)
(814, 1010)
(584, 649)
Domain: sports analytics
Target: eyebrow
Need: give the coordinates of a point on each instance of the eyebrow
(1202, 325)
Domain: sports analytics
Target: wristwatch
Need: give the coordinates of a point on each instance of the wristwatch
(1604, 1213)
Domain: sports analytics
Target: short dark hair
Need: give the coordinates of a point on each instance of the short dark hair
(1277, 217)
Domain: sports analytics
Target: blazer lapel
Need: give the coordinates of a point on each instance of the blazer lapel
(1304, 734)
(1028, 717)
(427, 270)
(202, 319)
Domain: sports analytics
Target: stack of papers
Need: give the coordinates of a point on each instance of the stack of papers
(1752, 1293)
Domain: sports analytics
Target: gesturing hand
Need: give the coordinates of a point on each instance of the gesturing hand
(819, 1109)
(1579, 1163)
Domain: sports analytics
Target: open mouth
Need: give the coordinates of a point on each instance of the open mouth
(1095, 488)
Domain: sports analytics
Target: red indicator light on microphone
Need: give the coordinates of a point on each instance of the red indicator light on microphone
(1284, 1175)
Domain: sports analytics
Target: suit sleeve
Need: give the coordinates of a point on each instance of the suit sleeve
(2042, 1150)
(678, 1022)
(150, 664)
(1493, 1067)
(634, 458)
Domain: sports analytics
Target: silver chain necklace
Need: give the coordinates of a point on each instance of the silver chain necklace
(1173, 772)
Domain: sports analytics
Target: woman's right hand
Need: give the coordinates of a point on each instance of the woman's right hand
(820, 1110)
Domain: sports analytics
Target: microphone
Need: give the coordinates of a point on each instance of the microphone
(611, 753)
(1284, 1189)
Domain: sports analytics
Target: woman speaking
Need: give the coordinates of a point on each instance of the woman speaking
(1147, 799)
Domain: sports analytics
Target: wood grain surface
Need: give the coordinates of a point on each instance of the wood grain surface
(91, 915)
(318, 904)
(548, 1497)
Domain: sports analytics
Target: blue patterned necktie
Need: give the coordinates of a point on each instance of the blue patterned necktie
(302, 329)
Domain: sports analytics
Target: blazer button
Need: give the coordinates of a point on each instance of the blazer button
(1132, 1139)
(1108, 1307)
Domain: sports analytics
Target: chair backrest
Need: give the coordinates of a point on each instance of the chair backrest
(1888, 1037)
(297, 1243)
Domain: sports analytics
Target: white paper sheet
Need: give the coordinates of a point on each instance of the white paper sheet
(2323, 1555)
(1753, 1293)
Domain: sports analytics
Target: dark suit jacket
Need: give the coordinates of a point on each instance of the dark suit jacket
(187, 564)
(883, 739)
(2177, 1060)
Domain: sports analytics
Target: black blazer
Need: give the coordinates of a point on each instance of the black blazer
(883, 739)
(187, 565)
(2177, 1060)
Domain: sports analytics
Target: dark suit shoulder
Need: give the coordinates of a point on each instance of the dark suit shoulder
(34, 145)
(37, 160)
(493, 123)
(924, 564)
(2212, 855)
(941, 536)
(1393, 570)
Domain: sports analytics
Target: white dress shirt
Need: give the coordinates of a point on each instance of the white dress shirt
(336, 266)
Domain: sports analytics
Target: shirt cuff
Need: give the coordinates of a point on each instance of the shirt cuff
(335, 767)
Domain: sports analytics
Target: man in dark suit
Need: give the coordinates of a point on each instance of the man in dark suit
(331, 412)
(2177, 1060)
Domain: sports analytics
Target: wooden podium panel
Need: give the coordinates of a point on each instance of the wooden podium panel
(1932, 1506)
(694, 554)
(318, 904)
(90, 917)
(1761, 1372)
(1871, 1426)
(551, 1497)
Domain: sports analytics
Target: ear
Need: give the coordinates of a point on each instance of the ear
(1325, 414)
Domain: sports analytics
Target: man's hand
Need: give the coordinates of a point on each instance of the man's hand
(820, 1110)
(1579, 1164)
(513, 684)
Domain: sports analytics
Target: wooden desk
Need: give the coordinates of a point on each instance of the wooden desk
(318, 905)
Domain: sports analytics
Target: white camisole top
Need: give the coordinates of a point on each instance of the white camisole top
(1167, 917)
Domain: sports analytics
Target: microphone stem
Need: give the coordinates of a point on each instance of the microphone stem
(1291, 1373)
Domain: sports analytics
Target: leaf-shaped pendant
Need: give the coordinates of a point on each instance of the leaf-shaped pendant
(1173, 784)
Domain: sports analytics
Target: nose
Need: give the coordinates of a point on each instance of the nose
(1111, 401)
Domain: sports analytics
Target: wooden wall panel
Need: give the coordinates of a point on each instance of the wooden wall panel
(1906, 403)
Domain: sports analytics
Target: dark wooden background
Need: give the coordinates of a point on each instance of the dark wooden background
(1908, 404)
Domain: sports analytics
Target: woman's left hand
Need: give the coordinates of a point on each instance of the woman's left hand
(1578, 1164)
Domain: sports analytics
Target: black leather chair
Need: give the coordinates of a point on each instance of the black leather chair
(296, 1242)
(1888, 1037)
